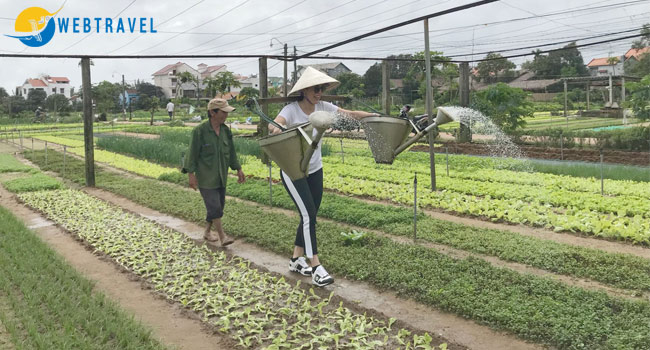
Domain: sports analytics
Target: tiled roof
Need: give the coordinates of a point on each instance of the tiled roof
(210, 69)
(36, 82)
(636, 53)
(597, 62)
(59, 79)
(167, 68)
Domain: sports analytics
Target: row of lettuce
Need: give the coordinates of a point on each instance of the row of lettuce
(484, 187)
(256, 309)
(534, 308)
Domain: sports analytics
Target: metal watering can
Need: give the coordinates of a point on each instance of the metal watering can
(387, 137)
(292, 149)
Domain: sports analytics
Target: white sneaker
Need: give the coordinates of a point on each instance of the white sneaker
(300, 266)
(320, 277)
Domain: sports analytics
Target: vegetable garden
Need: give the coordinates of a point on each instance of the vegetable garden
(368, 222)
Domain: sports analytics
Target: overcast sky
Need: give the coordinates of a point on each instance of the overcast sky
(249, 26)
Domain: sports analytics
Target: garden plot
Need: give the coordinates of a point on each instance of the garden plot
(472, 281)
(255, 308)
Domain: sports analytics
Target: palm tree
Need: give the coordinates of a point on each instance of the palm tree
(613, 61)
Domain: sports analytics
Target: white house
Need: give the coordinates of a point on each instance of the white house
(599, 67)
(166, 78)
(251, 82)
(332, 69)
(51, 85)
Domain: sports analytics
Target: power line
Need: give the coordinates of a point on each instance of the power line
(202, 24)
(160, 24)
(91, 33)
(381, 30)
(283, 26)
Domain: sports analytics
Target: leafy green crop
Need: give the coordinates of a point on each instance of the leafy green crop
(255, 308)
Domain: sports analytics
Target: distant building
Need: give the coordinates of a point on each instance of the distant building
(599, 67)
(332, 69)
(51, 85)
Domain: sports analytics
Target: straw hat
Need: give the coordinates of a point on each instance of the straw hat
(313, 77)
(220, 103)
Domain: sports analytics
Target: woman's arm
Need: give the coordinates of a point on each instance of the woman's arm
(280, 120)
(358, 114)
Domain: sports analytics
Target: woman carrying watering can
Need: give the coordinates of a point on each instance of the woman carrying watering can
(308, 192)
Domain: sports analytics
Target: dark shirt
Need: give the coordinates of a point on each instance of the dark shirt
(210, 155)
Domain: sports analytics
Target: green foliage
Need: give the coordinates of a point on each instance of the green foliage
(224, 81)
(353, 237)
(506, 106)
(35, 182)
(489, 70)
(640, 97)
(253, 307)
(372, 80)
(574, 318)
(106, 95)
(36, 98)
(9, 164)
(247, 92)
(565, 62)
(351, 84)
(57, 308)
(57, 103)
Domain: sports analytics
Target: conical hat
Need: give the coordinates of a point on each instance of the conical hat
(312, 77)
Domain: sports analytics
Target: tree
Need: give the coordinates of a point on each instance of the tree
(187, 77)
(106, 96)
(57, 103)
(211, 86)
(506, 106)
(349, 82)
(153, 106)
(556, 62)
(372, 80)
(248, 92)
(3, 93)
(488, 71)
(16, 104)
(641, 67)
(35, 98)
(640, 97)
(144, 88)
(225, 81)
(644, 40)
(613, 61)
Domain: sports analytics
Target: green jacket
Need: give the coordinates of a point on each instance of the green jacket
(210, 155)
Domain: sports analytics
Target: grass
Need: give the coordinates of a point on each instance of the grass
(48, 305)
(534, 308)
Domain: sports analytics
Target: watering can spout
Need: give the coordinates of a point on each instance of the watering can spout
(442, 117)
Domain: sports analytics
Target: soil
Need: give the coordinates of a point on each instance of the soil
(456, 331)
(574, 154)
(168, 322)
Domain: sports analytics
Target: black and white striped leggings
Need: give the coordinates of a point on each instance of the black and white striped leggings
(307, 194)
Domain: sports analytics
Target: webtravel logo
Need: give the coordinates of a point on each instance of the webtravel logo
(36, 21)
(41, 25)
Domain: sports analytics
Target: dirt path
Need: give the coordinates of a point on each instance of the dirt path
(169, 323)
(449, 326)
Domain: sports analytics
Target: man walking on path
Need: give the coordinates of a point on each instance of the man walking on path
(170, 109)
(211, 152)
